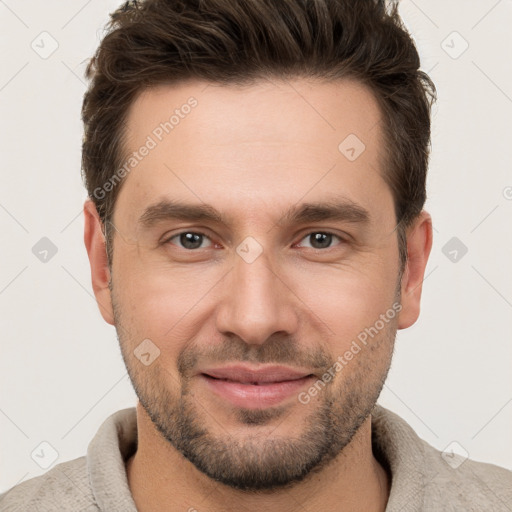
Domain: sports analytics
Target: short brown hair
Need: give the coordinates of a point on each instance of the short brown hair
(151, 42)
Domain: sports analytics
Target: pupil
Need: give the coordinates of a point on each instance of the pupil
(190, 240)
(193, 240)
(321, 239)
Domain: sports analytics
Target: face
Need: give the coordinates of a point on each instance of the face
(253, 235)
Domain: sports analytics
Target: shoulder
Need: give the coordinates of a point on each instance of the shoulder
(425, 478)
(65, 486)
(453, 479)
(86, 484)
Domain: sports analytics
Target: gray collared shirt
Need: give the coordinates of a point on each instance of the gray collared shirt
(423, 479)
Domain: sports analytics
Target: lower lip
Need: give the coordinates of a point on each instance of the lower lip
(255, 396)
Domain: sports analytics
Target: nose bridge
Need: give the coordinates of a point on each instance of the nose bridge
(256, 304)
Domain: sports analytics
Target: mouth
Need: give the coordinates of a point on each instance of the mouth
(255, 388)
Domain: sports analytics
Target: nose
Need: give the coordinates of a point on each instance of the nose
(257, 302)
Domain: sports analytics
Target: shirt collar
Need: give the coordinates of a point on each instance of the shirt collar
(111, 447)
(395, 445)
(399, 449)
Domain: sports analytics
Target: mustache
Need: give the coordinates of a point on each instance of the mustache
(276, 350)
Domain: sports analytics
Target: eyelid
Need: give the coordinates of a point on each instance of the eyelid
(343, 238)
(167, 238)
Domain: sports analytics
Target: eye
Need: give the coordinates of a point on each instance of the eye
(189, 240)
(321, 239)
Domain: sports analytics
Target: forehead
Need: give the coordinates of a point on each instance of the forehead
(299, 110)
(260, 145)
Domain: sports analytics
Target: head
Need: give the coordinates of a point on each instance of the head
(256, 173)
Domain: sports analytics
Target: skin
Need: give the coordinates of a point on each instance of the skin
(252, 152)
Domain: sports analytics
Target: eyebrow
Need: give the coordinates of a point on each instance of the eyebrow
(335, 210)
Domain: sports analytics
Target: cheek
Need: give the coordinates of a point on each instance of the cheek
(162, 302)
(172, 301)
(347, 300)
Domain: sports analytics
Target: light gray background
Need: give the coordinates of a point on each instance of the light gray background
(60, 367)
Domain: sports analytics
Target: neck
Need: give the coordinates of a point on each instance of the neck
(160, 478)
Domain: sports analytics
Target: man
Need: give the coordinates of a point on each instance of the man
(255, 227)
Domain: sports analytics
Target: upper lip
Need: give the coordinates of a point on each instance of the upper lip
(241, 373)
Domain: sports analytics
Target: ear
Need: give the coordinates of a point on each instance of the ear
(419, 244)
(97, 252)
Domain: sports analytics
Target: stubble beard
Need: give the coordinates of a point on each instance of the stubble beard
(255, 462)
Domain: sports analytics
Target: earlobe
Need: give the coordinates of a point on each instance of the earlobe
(96, 249)
(419, 245)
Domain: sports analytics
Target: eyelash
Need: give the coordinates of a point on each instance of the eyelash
(342, 240)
